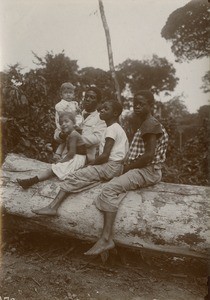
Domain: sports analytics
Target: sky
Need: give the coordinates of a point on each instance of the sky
(75, 26)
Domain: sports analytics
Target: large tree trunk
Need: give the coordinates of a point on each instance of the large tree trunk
(109, 48)
(166, 217)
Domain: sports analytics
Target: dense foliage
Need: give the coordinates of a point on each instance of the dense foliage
(56, 69)
(188, 163)
(28, 101)
(29, 113)
(156, 74)
(187, 29)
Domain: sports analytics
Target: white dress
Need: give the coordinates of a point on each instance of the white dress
(62, 169)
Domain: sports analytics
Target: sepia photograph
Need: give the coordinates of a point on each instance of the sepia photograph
(105, 125)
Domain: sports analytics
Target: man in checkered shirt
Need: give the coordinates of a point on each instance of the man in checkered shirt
(142, 167)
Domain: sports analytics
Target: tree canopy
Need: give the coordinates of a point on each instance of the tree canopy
(174, 108)
(56, 69)
(155, 74)
(187, 29)
(95, 76)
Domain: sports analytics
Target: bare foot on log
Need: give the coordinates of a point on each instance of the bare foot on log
(48, 211)
(100, 246)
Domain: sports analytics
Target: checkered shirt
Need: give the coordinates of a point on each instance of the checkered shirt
(137, 147)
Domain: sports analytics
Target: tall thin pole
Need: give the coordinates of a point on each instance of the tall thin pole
(109, 48)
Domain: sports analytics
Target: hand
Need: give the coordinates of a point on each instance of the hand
(63, 135)
(78, 129)
(125, 169)
(56, 157)
(49, 147)
(91, 163)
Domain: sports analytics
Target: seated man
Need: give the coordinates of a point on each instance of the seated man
(143, 167)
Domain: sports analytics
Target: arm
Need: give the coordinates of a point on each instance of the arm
(94, 137)
(58, 152)
(60, 149)
(72, 142)
(58, 129)
(57, 120)
(104, 157)
(78, 129)
(147, 157)
(59, 136)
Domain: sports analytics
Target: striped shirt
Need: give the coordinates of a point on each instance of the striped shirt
(137, 148)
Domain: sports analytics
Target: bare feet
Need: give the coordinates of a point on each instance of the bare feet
(45, 211)
(101, 246)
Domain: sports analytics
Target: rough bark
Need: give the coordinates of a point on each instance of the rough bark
(166, 217)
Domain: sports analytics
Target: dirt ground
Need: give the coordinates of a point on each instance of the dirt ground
(44, 266)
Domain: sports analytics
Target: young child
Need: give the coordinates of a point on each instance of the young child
(72, 155)
(107, 165)
(67, 104)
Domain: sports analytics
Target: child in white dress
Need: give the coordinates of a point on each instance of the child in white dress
(72, 154)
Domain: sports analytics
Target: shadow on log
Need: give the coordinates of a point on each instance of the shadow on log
(166, 217)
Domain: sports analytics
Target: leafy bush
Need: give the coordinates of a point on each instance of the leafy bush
(30, 116)
(189, 165)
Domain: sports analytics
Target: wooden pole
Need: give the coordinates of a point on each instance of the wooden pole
(109, 48)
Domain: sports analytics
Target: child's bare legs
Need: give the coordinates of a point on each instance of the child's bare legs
(51, 209)
(76, 181)
(105, 242)
(43, 175)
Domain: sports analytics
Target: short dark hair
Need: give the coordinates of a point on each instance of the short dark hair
(95, 90)
(67, 114)
(147, 94)
(116, 105)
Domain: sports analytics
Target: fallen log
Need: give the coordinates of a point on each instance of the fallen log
(166, 217)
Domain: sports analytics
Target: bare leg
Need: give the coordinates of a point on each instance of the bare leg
(28, 182)
(105, 242)
(51, 209)
(45, 174)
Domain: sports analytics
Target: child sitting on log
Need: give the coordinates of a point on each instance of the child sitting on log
(72, 153)
(141, 169)
(108, 164)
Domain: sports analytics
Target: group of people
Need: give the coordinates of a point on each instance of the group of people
(93, 147)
